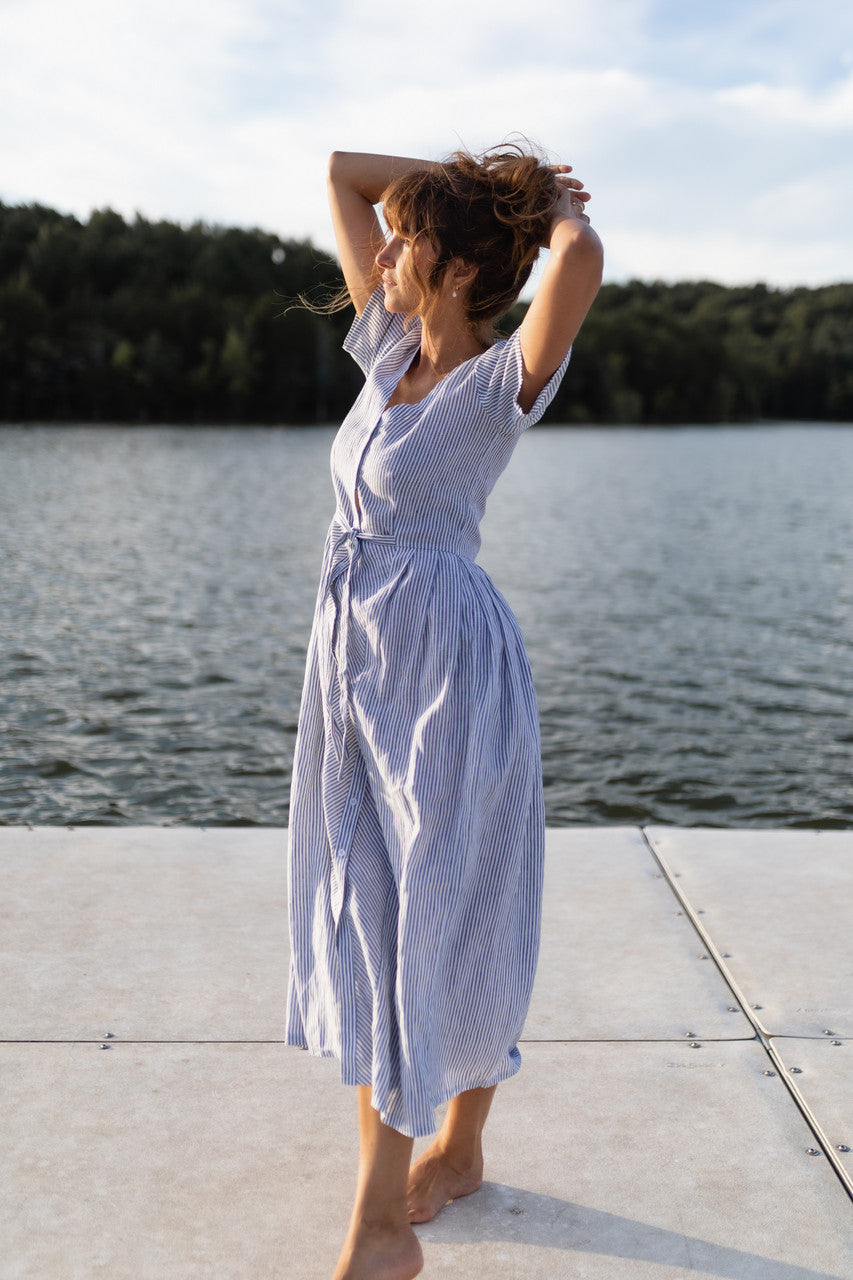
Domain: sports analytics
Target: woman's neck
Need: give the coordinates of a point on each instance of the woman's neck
(443, 347)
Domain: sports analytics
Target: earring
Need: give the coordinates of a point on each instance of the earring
(454, 293)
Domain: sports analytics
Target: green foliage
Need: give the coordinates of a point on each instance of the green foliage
(107, 320)
(699, 352)
(148, 321)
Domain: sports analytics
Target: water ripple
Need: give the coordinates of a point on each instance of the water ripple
(685, 595)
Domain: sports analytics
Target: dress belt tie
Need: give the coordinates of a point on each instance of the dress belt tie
(353, 538)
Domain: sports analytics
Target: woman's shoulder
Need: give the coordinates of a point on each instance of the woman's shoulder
(376, 331)
(499, 374)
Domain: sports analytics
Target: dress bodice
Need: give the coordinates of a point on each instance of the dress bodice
(423, 472)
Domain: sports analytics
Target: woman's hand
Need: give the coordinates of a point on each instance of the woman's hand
(572, 199)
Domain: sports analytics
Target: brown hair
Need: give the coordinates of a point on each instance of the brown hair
(492, 211)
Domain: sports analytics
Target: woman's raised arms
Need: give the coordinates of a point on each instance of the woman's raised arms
(569, 283)
(356, 183)
(566, 290)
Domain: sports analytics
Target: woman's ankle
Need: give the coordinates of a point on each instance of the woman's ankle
(380, 1221)
(462, 1154)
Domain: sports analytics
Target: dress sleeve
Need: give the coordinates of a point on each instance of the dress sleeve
(499, 375)
(373, 332)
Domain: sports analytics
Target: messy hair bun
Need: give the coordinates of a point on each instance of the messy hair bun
(493, 211)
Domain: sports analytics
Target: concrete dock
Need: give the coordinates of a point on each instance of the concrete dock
(685, 1107)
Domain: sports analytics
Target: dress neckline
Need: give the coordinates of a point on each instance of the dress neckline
(413, 404)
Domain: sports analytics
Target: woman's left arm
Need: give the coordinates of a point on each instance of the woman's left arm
(570, 281)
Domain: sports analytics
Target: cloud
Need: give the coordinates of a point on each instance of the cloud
(768, 106)
(715, 140)
(111, 103)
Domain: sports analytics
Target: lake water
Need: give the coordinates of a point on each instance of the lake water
(686, 596)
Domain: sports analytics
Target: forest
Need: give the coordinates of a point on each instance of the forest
(109, 320)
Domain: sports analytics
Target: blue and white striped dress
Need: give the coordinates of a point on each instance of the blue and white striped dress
(417, 819)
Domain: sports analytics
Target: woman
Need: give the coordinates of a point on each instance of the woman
(417, 825)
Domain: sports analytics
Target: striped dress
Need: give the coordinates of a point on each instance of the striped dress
(417, 819)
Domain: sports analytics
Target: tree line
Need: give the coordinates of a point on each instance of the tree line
(107, 320)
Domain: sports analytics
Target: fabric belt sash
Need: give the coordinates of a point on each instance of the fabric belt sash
(353, 539)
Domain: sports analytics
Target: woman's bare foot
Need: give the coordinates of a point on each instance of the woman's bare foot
(379, 1253)
(434, 1180)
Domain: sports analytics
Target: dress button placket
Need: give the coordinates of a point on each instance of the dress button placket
(346, 831)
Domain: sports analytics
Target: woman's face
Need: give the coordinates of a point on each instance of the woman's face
(394, 261)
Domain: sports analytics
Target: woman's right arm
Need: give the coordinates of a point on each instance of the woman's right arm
(356, 182)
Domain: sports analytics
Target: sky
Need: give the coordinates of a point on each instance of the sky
(716, 136)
